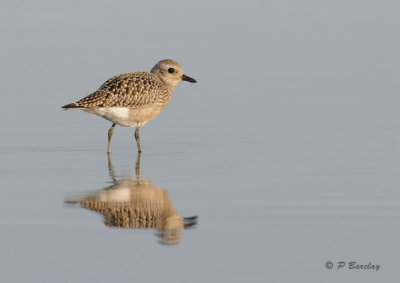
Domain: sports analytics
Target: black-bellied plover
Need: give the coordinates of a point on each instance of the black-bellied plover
(132, 99)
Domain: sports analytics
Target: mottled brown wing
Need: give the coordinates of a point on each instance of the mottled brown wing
(94, 100)
(126, 90)
(133, 90)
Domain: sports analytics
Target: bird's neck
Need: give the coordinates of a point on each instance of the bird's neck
(169, 85)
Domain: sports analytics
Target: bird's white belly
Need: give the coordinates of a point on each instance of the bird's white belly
(118, 115)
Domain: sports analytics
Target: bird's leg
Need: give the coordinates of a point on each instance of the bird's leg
(138, 139)
(110, 133)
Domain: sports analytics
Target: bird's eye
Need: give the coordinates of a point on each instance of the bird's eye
(171, 70)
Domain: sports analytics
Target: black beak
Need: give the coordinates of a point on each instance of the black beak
(188, 79)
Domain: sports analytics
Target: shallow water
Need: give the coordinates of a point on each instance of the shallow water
(286, 150)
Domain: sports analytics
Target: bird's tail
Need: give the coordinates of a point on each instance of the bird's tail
(70, 106)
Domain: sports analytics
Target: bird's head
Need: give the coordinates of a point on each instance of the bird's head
(170, 72)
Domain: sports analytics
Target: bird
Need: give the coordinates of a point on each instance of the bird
(133, 99)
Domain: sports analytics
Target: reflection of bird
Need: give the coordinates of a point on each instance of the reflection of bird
(137, 204)
(132, 99)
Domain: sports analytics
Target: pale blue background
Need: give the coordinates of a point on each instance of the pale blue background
(288, 148)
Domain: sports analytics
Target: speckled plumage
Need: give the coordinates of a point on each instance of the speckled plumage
(131, 90)
(132, 99)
